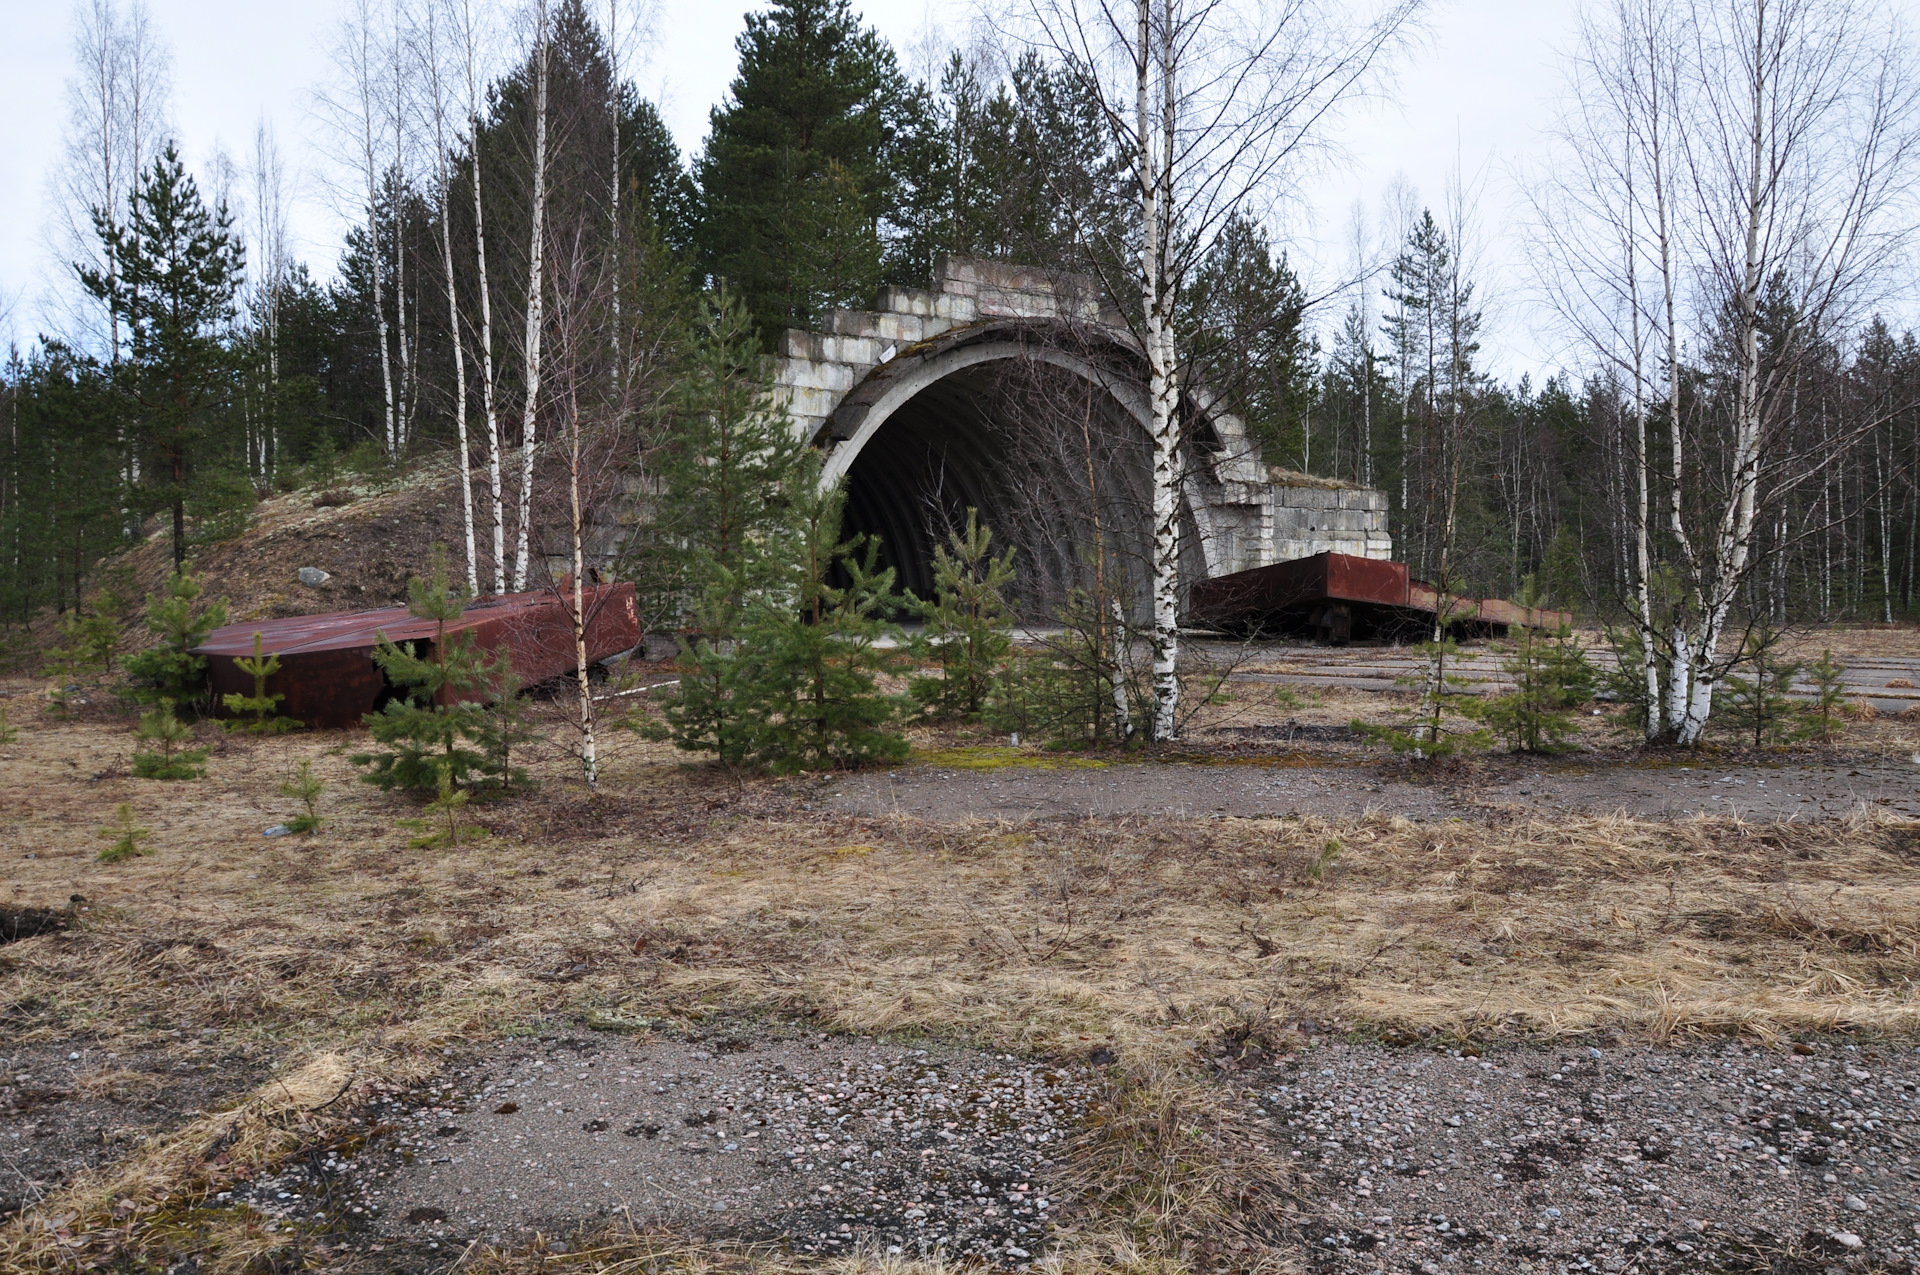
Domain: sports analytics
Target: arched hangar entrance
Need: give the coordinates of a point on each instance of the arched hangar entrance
(1047, 439)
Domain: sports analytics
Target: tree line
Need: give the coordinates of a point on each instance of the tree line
(535, 262)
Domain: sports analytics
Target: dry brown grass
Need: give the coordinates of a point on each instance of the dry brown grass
(349, 960)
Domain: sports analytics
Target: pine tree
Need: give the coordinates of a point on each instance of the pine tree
(1245, 337)
(305, 787)
(723, 539)
(170, 672)
(1829, 695)
(258, 713)
(433, 726)
(1426, 728)
(805, 129)
(175, 270)
(815, 664)
(1759, 703)
(160, 726)
(123, 836)
(90, 640)
(1552, 676)
(969, 626)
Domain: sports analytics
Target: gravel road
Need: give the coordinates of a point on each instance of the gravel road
(1346, 785)
(1622, 1159)
(820, 1143)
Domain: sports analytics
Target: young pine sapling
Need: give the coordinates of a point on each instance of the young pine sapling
(305, 787)
(123, 836)
(258, 713)
(160, 726)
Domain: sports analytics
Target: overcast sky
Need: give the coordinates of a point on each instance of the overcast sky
(1477, 93)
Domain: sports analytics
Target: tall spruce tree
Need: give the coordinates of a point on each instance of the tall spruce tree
(800, 148)
(723, 539)
(175, 270)
(1243, 318)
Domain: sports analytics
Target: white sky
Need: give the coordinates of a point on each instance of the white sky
(1484, 80)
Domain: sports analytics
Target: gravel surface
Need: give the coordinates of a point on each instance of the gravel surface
(1623, 1159)
(70, 1106)
(822, 1144)
(1336, 786)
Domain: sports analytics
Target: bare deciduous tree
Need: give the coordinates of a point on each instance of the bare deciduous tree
(536, 299)
(1734, 182)
(1215, 107)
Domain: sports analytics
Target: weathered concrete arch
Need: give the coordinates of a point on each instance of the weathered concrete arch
(912, 383)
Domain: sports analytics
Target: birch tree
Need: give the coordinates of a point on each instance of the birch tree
(1748, 165)
(471, 37)
(535, 299)
(116, 122)
(1215, 107)
(440, 107)
(360, 115)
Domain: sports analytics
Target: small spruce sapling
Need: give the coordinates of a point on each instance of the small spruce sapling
(91, 640)
(170, 671)
(1552, 676)
(503, 731)
(431, 722)
(160, 726)
(969, 627)
(1759, 704)
(305, 787)
(1829, 696)
(258, 713)
(8, 731)
(817, 664)
(446, 807)
(123, 836)
(1423, 729)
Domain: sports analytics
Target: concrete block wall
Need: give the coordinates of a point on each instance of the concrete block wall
(1257, 515)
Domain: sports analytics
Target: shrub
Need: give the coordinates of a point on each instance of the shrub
(1079, 687)
(8, 731)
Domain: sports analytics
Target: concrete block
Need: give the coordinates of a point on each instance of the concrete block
(917, 302)
(864, 350)
(797, 344)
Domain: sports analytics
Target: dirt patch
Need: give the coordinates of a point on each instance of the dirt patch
(67, 1107)
(824, 1145)
(1723, 1158)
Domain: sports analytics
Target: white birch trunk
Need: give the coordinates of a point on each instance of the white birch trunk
(453, 297)
(535, 311)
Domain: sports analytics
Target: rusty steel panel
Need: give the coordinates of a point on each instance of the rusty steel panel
(1338, 596)
(328, 676)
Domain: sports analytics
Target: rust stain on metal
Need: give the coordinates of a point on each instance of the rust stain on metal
(328, 676)
(1337, 597)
